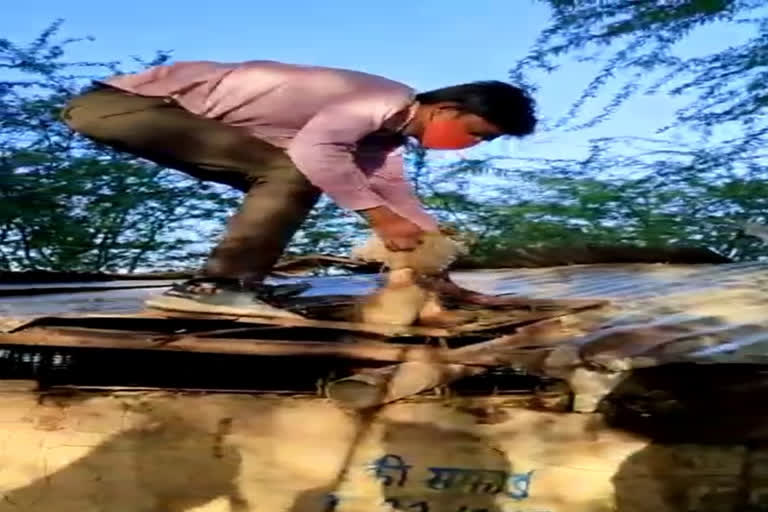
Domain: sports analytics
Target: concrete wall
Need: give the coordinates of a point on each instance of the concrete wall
(217, 453)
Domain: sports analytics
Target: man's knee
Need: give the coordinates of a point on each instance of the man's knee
(100, 113)
(77, 115)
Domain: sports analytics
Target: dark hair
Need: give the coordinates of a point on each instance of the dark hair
(501, 104)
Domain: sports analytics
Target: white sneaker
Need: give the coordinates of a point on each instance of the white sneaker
(224, 297)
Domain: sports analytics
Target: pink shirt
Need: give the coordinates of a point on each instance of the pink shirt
(329, 121)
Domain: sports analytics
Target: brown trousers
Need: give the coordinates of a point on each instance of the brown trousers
(278, 197)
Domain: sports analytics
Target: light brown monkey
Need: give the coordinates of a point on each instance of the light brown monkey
(398, 302)
(403, 299)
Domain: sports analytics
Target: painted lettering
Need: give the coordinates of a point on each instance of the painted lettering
(518, 486)
(423, 506)
(446, 478)
(387, 467)
(391, 469)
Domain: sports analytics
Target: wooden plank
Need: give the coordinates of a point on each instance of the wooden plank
(302, 264)
(495, 319)
(375, 387)
(13, 323)
(380, 329)
(51, 290)
(491, 319)
(492, 322)
(373, 351)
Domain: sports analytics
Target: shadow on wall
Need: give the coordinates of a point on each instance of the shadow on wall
(167, 465)
(708, 427)
(424, 468)
(441, 470)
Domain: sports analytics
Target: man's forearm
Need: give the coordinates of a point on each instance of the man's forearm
(401, 199)
(379, 214)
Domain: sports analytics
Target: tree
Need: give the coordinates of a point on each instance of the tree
(700, 191)
(641, 38)
(68, 204)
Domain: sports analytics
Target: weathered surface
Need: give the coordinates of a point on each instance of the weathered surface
(171, 453)
(385, 385)
(374, 387)
(660, 313)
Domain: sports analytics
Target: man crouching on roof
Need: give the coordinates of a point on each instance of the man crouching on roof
(284, 134)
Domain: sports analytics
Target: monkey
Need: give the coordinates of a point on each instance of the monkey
(399, 302)
(405, 299)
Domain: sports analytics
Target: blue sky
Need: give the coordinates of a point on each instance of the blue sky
(425, 43)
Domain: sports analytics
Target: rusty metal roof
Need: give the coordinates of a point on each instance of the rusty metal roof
(114, 296)
(659, 313)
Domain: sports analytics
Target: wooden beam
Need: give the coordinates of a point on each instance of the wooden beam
(51, 290)
(375, 387)
(380, 329)
(373, 351)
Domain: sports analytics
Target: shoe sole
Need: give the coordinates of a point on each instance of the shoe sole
(191, 306)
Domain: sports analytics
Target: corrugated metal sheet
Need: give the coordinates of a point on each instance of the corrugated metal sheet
(659, 314)
(64, 300)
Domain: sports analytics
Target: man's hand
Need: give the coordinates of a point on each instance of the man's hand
(397, 233)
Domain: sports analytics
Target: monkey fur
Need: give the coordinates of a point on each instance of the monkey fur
(433, 255)
(403, 300)
(398, 302)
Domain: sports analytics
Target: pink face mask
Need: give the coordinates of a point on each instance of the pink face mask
(447, 134)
